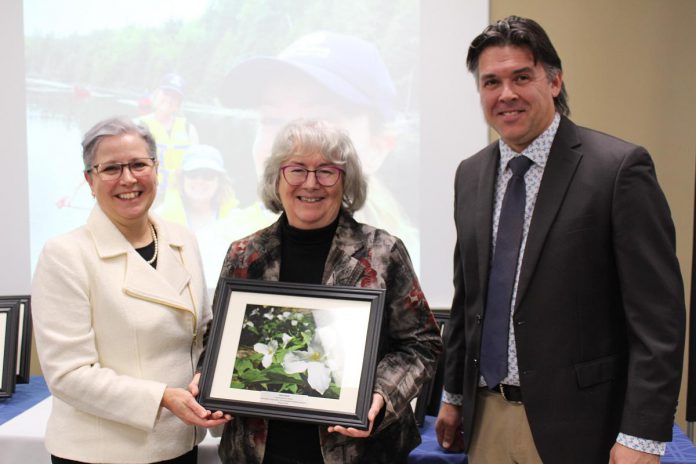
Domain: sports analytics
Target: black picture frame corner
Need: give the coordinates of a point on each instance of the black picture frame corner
(9, 327)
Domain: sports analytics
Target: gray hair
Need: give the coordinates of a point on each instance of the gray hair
(114, 126)
(306, 137)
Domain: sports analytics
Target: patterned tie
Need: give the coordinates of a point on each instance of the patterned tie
(494, 342)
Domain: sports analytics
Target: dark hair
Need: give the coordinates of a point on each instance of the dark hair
(521, 32)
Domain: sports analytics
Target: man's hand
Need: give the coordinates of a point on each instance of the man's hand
(621, 454)
(377, 405)
(448, 427)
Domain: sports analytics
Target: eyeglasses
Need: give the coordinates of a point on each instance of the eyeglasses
(139, 167)
(326, 175)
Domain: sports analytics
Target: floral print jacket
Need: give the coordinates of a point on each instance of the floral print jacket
(360, 256)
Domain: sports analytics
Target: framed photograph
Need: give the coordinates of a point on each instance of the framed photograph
(293, 352)
(428, 401)
(9, 318)
(24, 334)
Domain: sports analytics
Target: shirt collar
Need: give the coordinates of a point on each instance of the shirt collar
(537, 151)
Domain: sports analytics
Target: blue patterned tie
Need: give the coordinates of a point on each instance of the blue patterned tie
(494, 342)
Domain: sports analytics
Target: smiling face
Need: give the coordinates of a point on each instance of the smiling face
(126, 200)
(166, 103)
(516, 94)
(201, 185)
(310, 205)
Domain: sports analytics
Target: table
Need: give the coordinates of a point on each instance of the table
(23, 420)
(24, 397)
(679, 451)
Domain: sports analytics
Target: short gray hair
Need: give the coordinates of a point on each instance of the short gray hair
(306, 137)
(114, 126)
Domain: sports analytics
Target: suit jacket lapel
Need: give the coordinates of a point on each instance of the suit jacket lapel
(166, 284)
(341, 267)
(484, 212)
(560, 168)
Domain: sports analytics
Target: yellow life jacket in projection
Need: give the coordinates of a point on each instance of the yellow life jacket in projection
(173, 209)
(171, 147)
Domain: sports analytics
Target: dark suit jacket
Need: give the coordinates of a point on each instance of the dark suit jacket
(599, 313)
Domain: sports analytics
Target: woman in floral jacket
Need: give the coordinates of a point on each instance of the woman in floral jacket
(316, 240)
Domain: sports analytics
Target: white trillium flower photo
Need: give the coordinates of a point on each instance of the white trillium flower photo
(313, 361)
(281, 350)
(267, 351)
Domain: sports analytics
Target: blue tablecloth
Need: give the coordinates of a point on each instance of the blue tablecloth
(25, 396)
(680, 451)
(429, 451)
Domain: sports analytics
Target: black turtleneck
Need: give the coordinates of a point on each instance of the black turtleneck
(304, 252)
(303, 255)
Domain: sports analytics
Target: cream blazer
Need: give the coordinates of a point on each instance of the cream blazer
(111, 333)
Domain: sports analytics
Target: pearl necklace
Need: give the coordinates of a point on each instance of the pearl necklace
(154, 238)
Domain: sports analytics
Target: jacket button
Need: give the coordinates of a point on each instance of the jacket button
(521, 322)
(476, 362)
(478, 318)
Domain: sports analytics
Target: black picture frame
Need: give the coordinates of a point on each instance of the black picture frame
(265, 333)
(24, 334)
(9, 319)
(428, 401)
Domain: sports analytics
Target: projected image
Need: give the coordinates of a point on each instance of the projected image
(214, 81)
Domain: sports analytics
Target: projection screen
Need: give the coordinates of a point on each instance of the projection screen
(215, 80)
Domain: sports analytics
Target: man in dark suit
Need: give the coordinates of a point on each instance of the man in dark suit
(575, 255)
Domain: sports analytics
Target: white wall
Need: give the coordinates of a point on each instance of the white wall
(15, 274)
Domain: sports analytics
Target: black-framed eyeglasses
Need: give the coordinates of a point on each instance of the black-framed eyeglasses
(296, 175)
(139, 167)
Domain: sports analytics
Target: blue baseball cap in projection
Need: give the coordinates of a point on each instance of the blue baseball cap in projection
(172, 82)
(345, 66)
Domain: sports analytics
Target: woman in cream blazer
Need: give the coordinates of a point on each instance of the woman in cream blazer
(119, 309)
